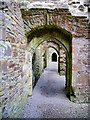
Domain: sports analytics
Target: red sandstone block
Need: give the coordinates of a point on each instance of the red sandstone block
(16, 68)
(81, 43)
(78, 67)
(83, 77)
(85, 62)
(82, 55)
(79, 61)
(84, 94)
(11, 65)
(15, 53)
(82, 80)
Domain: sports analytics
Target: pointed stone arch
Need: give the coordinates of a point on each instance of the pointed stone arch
(61, 37)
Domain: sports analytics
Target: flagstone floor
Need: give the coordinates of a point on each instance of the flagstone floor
(49, 99)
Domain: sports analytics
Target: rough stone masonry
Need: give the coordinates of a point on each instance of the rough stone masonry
(25, 34)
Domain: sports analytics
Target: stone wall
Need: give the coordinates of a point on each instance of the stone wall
(78, 27)
(62, 62)
(80, 68)
(16, 55)
(37, 65)
(76, 7)
(14, 70)
(37, 62)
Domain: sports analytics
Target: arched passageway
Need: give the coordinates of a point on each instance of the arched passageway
(49, 98)
(54, 57)
(23, 55)
(50, 50)
(59, 37)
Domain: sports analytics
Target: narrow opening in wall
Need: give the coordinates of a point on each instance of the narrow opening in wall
(54, 57)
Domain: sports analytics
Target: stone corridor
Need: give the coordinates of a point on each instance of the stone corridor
(49, 98)
(34, 33)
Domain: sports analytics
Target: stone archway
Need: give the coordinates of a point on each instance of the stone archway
(59, 36)
(77, 25)
(54, 57)
(16, 59)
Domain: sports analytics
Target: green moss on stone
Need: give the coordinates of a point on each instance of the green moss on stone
(49, 29)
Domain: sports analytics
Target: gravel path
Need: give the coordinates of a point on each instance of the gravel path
(49, 99)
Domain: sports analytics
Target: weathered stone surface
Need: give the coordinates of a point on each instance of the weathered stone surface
(12, 59)
(19, 70)
(62, 62)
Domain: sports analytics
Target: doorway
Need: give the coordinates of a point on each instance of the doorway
(54, 57)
